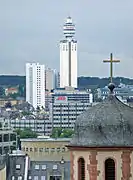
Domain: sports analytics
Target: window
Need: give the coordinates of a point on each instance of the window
(81, 169)
(55, 177)
(18, 166)
(43, 167)
(31, 149)
(36, 166)
(19, 177)
(63, 149)
(35, 177)
(58, 149)
(52, 149)
(55, 167)
(40, 149)
(42, 177)
(109, 169)
(46, 149)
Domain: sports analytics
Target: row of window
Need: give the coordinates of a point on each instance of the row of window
(58, 149)
(35, 178)
(70, 109)
(70, 106)
(44, 167)
(7, 137)
(19, 178)
(38, 166)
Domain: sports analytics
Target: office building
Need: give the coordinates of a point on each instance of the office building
(66, 105)
(68, 56)
(35, 84)
(39, 126)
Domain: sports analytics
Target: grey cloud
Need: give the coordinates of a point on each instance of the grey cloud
(31, 30)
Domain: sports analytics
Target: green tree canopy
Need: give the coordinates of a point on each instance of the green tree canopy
(62, 133)
(26, 133)
(14, 95)
(2, 92)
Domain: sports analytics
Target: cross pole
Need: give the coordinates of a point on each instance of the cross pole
(111, 61)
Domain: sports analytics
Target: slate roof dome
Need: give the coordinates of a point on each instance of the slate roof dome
(107, 124)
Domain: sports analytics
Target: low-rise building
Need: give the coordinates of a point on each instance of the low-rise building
(40, 126)
(11, 90)
(4, 101)
(39, 159)
(50, 149)
(123, 92)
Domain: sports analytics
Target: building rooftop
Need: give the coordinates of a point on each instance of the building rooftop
(17, 153)
(46, 139)
(107, 124)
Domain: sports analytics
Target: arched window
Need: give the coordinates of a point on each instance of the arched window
(81, 169)
(109, 169)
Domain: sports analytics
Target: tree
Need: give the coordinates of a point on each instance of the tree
(67, 133)
(26, 133)
(14, 95)
(56, 132)
(8, 105)
(21, 90)
(38, 109)
(2, 92)
(62, 133)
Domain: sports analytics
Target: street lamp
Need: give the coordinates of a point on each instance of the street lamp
(62, 160)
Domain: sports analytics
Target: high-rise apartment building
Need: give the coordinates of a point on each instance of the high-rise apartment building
(35, 84)
(68, 56)
(51, 79)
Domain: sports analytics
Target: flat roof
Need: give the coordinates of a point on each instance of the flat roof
(45, 140)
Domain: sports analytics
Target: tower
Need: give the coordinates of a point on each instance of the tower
(68, 56)
(35, 84)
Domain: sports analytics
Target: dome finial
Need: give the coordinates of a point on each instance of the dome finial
(111, 87)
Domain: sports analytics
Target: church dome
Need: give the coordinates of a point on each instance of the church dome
(107, 124)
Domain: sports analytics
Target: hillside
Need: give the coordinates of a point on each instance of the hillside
(12, 80)
(95, 82)
(83, 82)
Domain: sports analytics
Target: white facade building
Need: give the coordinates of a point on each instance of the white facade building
(35, 84)
(66, 105)
(68, 56)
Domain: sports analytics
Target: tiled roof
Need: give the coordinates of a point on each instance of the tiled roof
(109, 123)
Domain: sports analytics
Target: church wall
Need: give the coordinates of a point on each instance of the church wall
(131, 165)
(77, 155)
(116, 156)
(95, 163)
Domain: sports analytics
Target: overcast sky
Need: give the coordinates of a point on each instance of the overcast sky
(30, 30)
